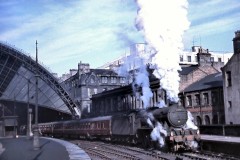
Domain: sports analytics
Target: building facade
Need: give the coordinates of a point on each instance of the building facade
(201, 89)
(185, 58)
(204, 99)
(125, 99)
(193, 73)
(87, 82)
(231, 84)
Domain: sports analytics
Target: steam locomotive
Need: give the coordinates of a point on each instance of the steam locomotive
(133, 127)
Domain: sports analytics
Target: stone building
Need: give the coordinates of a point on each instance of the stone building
(231, 84)
(87, 82)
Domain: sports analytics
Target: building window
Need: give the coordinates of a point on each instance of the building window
(229, 78)
(229, 105)
(197, 99)
(199, 121)
(189, 58)
(104, 79)
(211, 59)
(92, 80)
(89, 92)
(181, 101)
(95, 90)
(113, 79)
(214, 98)
(207, 120)
(189, 101)
(122, 80)
(219, 59)
(181, 58)
(205, 98)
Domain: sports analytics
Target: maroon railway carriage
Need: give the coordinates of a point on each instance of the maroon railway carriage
(98, 127)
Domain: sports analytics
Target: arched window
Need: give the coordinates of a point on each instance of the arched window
(199, 121)
(207, 120)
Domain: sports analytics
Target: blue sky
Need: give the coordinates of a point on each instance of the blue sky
(98, 31)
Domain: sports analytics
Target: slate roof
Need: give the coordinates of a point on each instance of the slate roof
(187, 70)
(103, 72)
(210, 81)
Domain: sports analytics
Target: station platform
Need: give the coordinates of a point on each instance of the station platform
(221, 144)
(50, 149)
(220, 138)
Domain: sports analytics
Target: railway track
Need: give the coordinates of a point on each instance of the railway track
(208, 155)
(106, 151)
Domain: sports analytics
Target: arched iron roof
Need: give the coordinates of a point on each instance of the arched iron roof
(17, 81)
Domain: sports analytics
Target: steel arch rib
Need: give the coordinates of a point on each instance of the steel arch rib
(43, 73)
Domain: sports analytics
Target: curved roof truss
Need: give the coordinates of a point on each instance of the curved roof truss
(16, 77)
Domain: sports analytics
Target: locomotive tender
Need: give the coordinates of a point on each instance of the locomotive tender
(131, 127)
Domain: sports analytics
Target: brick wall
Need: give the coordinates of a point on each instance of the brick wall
(196, 75)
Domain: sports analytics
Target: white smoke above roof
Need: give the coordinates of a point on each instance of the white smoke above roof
(163, 24)
(136, 64)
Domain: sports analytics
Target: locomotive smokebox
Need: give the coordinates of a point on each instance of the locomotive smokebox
(175, 115)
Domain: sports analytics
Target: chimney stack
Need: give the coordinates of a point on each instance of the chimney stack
(236, 42)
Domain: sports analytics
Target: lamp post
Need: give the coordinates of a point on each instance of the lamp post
(29, 112)
(35, 129)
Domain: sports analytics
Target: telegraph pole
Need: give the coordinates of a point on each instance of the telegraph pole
(36, 145)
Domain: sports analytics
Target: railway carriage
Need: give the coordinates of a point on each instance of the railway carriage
(132, 128)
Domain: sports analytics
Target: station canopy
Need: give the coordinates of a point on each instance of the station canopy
(18, 82)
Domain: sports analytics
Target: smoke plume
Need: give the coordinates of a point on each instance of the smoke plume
(158, 134)
(190, 123)
(137, 65)
(163, 24)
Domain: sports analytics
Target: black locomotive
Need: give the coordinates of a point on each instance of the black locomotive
(134, 127)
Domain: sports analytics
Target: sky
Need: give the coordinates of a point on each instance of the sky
(99, 31)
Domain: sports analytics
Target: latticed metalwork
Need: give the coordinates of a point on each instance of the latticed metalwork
(17, 81)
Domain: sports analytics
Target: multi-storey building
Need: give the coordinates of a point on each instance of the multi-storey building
(193, 73)
(204, 99)
(87, 82)
(185, 57)
(231, 84)
(201, 89)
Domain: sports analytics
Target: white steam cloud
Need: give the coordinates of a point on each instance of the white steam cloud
(158, 134)
(190, 124)
(137, 64)
(163, 24)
